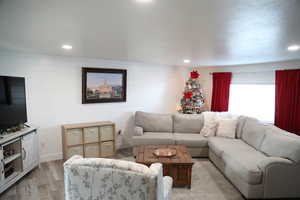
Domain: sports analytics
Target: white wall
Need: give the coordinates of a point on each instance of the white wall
(263, 70)
(53, 86)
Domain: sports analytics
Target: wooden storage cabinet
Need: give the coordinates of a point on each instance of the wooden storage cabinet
(90, 140)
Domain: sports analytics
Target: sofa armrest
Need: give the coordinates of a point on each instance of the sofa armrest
(138, 131)
(272, 161)
(281, 178)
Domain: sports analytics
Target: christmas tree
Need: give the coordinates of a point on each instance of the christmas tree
(192, 100)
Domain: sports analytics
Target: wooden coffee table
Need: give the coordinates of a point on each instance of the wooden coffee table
(179, 167)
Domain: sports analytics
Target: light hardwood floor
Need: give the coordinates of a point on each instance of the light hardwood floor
(43, 183)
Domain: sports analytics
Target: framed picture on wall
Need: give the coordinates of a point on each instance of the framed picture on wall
(102, 85)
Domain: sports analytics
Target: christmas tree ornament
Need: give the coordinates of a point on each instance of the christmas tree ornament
(195, 74)
(192, 100)
(188, 94)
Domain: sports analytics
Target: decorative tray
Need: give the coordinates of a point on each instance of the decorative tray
(165, 152)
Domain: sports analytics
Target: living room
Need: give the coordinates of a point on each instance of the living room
(167, 67)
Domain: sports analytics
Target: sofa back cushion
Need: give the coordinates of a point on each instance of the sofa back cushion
(280, 143)
(184, 123)
(253, 133)
(151, 122)
(241, 120)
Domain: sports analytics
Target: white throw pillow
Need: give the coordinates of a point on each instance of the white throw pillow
(226, 128)
(210, 124)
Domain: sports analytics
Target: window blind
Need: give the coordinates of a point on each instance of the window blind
(264, 77)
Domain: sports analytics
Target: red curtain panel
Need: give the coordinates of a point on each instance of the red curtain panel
(220, 93)
(287, 102)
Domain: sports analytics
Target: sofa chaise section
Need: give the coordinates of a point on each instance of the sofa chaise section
(262, 164)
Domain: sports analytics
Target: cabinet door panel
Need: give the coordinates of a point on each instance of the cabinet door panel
(91, 150)
(77, 150)
(74, 136)
(91, 134)
(106, 133)
(28, 150)
(107, 149)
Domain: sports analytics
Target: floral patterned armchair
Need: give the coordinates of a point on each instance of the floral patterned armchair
(109, 179)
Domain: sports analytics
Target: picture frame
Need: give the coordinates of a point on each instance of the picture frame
(103, 85)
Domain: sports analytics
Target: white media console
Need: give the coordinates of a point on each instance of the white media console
(19, 154)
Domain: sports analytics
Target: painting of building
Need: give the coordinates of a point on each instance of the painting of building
(104, 85)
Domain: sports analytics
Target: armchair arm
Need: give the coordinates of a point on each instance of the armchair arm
(164, 184)
(158, 171)
(138, 131)
(281, 177)
(168, 184)
(71, 160)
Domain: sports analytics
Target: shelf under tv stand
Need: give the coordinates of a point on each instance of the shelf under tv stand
(22, 156)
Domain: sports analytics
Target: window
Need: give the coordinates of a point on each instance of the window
(254, 100)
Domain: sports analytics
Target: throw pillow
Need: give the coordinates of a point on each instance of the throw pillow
(226, 128)
(210, 124)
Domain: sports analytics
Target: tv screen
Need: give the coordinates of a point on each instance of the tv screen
(12, 101)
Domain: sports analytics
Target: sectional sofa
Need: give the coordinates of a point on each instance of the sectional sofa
(263, 161)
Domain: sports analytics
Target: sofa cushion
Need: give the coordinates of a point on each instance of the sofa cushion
(253, 133)
(151, 122)
(279, 143)
(210, 124)
(218, 144)
(184, 123)
(190, 140)
(243, 161)
(153, 138)
(240, 157)
(226, 128)
(240, 125)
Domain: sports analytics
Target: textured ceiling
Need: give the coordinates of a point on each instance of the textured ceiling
(209, 32)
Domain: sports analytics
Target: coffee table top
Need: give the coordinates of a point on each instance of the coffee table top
(144, 154)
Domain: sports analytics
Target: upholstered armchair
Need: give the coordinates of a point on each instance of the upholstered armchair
(109, 179)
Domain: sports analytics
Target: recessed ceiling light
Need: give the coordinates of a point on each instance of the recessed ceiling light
(67, 47)
(143, 1)
(186, 61)
(294, 48)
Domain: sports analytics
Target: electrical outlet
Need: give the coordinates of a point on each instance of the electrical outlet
(43, 144)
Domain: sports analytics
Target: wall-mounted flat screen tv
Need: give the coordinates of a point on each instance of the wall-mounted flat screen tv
(12, 101)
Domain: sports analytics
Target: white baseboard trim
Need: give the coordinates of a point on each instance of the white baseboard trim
(50, 157)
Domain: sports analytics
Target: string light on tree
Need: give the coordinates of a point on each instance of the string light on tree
(192, 100)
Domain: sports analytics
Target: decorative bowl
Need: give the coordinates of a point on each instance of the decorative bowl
(165, 152)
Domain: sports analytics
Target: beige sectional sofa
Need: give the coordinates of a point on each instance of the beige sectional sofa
(262, 162)
(171, 129)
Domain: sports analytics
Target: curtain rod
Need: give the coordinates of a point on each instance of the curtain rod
(211, 73)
